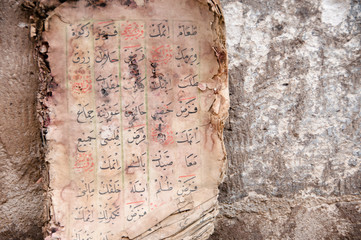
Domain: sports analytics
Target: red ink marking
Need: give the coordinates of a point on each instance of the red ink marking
(163, 135)
(136, 46)
(162, 54)
(153, 206)
(132, 31)
(135, 202)
(135, 126)
(62, 190)
(80, 81)
(183, 99)
(82, 87)
(84, 162)
(193, 175)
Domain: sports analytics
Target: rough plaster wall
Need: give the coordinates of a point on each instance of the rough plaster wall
(20, 166)
(293, 137)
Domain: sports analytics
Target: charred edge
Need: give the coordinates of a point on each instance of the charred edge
(38, 14)
(218, 26)
(219, 48)
(219, 38)
(129, 3)
(96, 3)
(219, 44)
(103, 3)
(31, 4)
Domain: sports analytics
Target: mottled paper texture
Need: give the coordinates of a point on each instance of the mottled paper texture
(136, 119)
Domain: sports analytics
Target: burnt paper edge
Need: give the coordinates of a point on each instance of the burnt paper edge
(46, 85)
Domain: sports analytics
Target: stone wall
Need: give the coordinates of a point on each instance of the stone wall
(293, 136)
(21, 195)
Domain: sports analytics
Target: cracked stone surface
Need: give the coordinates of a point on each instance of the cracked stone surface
(293, 136)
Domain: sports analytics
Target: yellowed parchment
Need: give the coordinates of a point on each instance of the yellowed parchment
(136, 120)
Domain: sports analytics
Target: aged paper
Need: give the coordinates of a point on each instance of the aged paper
(136, 119)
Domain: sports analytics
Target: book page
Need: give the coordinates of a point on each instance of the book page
(135, 134)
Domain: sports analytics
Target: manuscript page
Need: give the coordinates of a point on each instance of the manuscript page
(136, 120)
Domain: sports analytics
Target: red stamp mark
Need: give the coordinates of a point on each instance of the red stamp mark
(162, 54)
(82, 87)
(84, 162)
(132, 31)
(162, 135)
(81, 81)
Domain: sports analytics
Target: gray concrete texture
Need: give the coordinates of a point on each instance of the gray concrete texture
(293, 136)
